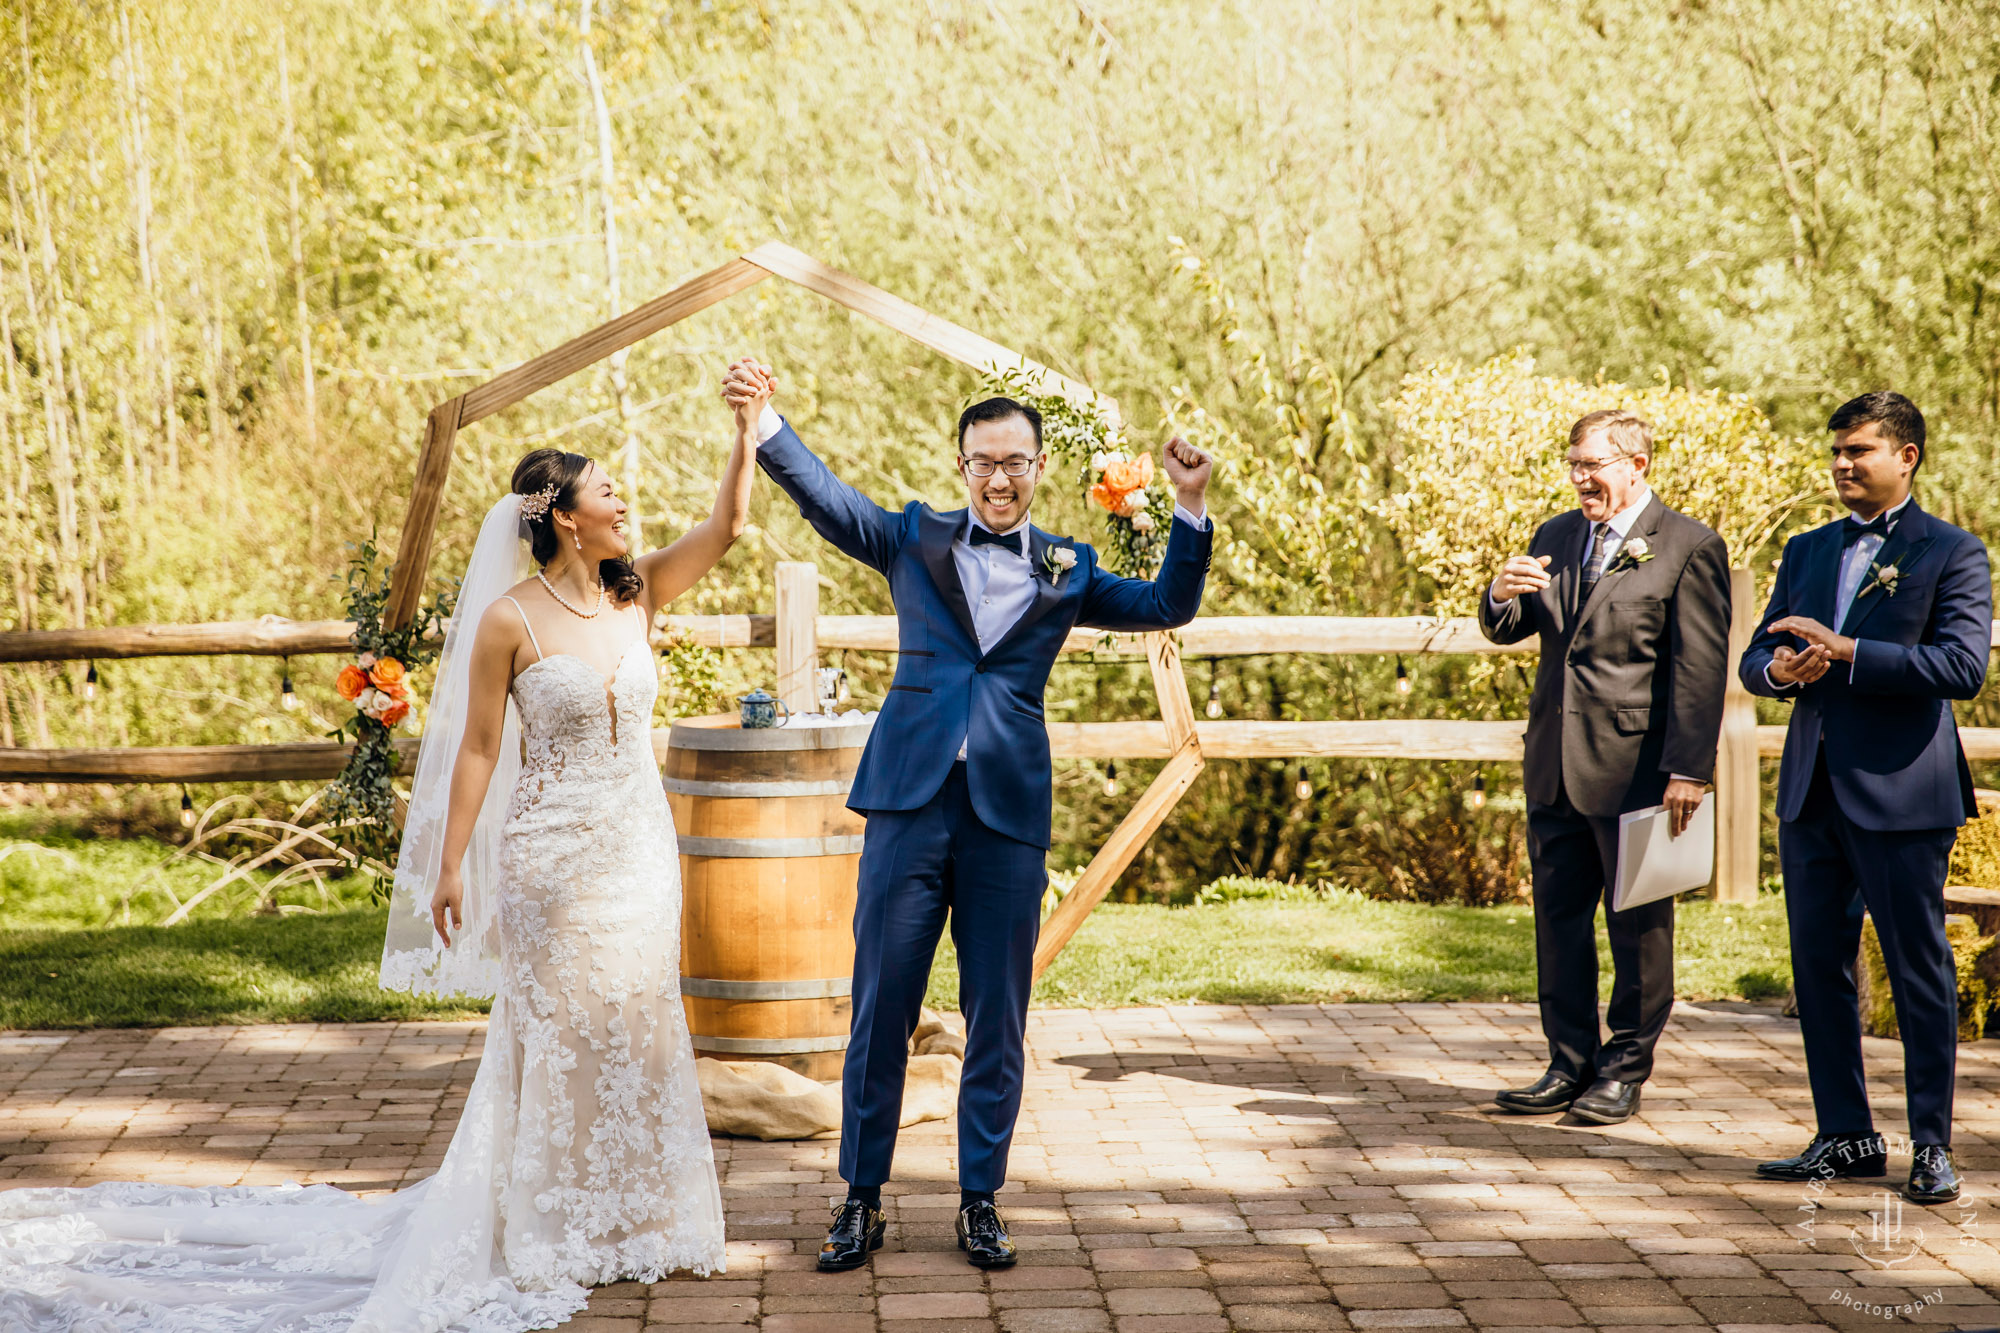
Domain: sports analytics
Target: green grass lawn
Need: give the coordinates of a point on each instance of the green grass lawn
(1353, 949)
(307, 968)
(60, 878)
(289, 969)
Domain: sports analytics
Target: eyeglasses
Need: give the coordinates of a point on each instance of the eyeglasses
(1587, 468)
(983, 467)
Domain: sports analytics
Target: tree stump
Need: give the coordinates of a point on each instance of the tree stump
(1973, 954)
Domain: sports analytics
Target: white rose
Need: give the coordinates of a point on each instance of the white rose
(1888, 574)
(1098, 460)
(1142, 522)
(1063, 556)
(1637, 547)
(1134, 504)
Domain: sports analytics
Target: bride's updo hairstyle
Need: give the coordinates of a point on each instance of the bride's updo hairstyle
(536, 472)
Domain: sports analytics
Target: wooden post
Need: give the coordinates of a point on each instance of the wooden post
(798, 634)
(1147, 813)
(1738, 799)
(413, 550)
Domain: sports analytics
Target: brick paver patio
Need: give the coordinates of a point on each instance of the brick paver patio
(1178, 1170)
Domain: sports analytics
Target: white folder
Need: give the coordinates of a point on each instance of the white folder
(1654, 864)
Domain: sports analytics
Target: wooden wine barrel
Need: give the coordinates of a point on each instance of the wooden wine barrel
(769, 856)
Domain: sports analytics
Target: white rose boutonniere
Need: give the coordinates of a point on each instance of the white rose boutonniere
(1059, 559)
(1635, 552)
(1884, 577)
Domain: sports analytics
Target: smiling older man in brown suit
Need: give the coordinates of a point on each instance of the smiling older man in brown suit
(1631, 601)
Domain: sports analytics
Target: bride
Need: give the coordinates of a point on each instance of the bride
(538, 866)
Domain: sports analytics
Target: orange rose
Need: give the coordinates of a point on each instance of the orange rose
(387, 674)
(1106, 498)
(394, 713)
(351, 681)
(1129, 474)
(400, 690)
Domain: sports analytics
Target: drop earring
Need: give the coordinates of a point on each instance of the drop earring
(578, 538)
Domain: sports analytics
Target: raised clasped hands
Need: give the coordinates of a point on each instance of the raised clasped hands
(1188, 469)
(1521, 575)
(1799, 668)
(1823, 647)
(747, 386)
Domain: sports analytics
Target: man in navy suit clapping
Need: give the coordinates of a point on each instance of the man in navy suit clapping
(955, 780)
(1877, 622)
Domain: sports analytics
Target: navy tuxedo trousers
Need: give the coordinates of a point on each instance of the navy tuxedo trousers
(919, 867)
(1834, 869)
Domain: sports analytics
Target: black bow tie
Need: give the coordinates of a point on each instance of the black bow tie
(985, 537)
(1854, 532)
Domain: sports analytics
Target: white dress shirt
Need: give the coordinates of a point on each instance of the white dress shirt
(1854, 563)
(999, 581)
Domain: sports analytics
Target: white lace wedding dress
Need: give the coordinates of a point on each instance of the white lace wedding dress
(582, 1155)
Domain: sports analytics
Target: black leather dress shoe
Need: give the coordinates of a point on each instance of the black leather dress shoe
(1606, 1102)
(983, 1236)
(1550, 1092)
(1933, 1175)
(1832, 1156)
(856, 1231)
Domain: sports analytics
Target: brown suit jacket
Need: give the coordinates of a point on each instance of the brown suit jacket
(1629, 688)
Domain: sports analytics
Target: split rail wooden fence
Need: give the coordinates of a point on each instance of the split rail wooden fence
(798, 635)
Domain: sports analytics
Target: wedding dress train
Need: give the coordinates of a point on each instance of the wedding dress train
(582, 1155)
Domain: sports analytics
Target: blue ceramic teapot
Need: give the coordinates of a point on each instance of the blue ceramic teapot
(760, 710)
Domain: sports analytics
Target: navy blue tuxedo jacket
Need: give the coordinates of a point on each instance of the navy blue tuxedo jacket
(946, 691)
(1891, 741)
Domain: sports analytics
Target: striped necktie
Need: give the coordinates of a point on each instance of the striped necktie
(1593, 568)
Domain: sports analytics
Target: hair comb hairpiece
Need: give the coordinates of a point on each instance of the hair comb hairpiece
(534, 506)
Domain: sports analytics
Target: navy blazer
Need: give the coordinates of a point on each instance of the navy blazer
(1885, 719)
(946, 691)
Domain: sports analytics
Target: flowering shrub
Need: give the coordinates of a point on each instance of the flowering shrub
(1481, 466)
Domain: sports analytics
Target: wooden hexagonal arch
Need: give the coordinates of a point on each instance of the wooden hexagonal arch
(774, 259)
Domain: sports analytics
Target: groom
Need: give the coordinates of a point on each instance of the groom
(955, 781)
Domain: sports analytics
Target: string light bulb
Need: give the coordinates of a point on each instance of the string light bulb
(286, 697)
(90, 683)
(1304, 787)
(1214, 708)
(1402, 678)
(187, 809)
(1111, 777)
(1479, 791)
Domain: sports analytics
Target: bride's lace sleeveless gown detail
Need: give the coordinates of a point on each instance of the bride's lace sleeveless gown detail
(582, 1155)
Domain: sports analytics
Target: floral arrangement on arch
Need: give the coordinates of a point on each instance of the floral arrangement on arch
(378, 687)
(362, 800)
(1109, 473)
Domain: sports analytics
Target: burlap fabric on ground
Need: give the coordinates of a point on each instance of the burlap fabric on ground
(755, 1099)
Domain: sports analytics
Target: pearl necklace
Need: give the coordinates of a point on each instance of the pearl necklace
(564, 603)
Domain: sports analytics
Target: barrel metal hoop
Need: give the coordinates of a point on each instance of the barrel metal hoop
(813, 988)
(769, 1045)
(848, 844)
(755, 790)
(846, 737)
